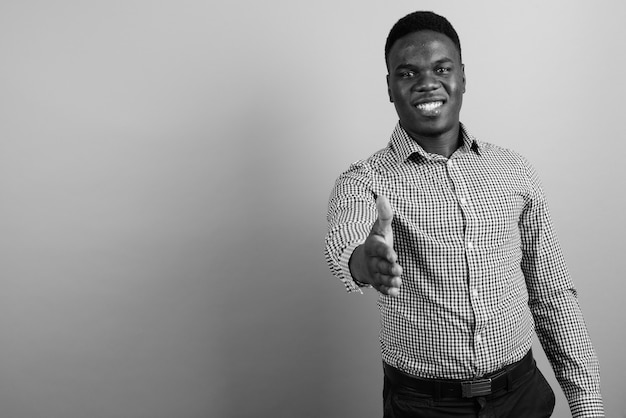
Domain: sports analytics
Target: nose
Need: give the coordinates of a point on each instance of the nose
(426, 82)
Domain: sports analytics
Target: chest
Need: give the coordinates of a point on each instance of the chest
(442, 202)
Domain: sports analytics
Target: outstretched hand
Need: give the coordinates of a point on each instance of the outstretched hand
(375, 262)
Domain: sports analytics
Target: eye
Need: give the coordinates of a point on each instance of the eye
(443, 70)
(406, 74)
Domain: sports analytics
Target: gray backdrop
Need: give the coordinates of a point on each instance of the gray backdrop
(164, 174)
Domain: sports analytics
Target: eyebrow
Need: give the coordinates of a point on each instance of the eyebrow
(408, 65)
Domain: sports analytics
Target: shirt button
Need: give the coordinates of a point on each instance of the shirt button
(463, 201)
(479, 338)
(475, 292)
(470, 245)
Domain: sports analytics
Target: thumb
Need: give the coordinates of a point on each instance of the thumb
(385, 216)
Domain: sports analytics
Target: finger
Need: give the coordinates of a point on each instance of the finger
(385, 216)
(386, 268)
(389, 281)
(387, 290)
(394, 291)
(377, 246)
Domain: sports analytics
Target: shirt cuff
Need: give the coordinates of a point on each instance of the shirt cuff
(587, 408)
(351, 284)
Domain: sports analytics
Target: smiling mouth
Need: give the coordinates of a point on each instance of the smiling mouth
(429, 106)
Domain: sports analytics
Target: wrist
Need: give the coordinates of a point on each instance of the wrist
(356, 266)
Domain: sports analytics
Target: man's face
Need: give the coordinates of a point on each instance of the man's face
(426, 82)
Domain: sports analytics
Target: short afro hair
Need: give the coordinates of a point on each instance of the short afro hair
(417, 21)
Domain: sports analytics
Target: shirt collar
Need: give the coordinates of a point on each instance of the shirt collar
(405, 146)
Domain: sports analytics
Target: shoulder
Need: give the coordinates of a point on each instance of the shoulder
(491, 150)
(381, 161)
(495, 154)
(505, 158)
(511, 166)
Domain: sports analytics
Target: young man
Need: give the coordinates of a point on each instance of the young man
(455, 235)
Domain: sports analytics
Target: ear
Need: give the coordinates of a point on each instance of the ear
(389, 89)
(463, 75)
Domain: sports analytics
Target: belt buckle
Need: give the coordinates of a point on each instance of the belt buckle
(473, 388)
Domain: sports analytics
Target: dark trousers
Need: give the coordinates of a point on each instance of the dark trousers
(530, 397)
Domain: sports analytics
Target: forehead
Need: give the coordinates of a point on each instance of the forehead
(423, 45)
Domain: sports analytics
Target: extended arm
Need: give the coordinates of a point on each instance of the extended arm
(359, 243)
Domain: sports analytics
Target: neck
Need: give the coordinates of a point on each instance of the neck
(444, 144)
(437, 147)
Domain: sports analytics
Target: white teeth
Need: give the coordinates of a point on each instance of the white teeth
(429, 106)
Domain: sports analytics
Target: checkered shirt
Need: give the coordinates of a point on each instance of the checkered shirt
(482, 267)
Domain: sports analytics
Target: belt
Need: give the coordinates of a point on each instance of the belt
(484, 386)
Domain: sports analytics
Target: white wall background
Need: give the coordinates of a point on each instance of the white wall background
(164, 174)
